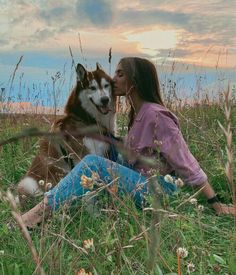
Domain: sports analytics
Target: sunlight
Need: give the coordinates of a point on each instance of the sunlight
(150, 42)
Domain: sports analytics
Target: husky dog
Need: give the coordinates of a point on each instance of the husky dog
(90, 103)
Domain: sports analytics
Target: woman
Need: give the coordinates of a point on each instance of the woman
(153, 132)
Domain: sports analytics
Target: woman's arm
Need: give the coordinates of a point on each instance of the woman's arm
(177, 154)
(219, 207)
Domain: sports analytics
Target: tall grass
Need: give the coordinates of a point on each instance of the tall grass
(122, 238)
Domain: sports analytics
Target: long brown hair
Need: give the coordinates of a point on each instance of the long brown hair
(143, 75)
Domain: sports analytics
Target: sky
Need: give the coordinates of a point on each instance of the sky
(188, 40)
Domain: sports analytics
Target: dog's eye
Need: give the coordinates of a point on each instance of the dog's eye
(93, 88)
(106, 86)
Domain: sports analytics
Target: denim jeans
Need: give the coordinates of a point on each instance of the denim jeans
(127, 180)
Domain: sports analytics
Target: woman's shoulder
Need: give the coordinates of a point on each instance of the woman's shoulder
(158, 111)
(150, 107)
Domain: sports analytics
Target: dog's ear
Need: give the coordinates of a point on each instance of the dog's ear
(81, 72)
(99, 67)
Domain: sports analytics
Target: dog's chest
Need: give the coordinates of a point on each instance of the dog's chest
(95, 146)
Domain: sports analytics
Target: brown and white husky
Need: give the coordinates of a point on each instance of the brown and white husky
(91, 102)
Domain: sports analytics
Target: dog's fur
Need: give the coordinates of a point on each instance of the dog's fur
(90, 103)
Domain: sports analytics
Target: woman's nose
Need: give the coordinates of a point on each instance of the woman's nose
(113, 83)
(114, 79)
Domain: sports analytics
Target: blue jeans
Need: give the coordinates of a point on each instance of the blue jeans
(128, 181)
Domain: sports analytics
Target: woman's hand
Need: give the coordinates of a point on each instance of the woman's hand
(220, 208)
(224, 209)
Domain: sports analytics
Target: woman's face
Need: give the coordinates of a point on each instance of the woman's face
(120, 80)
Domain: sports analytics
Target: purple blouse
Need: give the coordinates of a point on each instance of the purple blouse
(155, 133)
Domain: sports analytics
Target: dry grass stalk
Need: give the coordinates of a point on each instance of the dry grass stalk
(14, 73)
(154, 233)
(70, 242)
(72, 58)
(34, 132)
(191, 197)
(81, 48)
(109, 60)
(229, 146)
(25, 233)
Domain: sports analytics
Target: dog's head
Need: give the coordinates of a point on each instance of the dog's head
(95, 94)
(92, 94)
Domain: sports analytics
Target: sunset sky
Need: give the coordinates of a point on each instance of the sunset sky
(187, 33)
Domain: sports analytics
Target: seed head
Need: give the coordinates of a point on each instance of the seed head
(182, 252)
(168, 178)
(193, 201)
(190, 267)
(179, 183)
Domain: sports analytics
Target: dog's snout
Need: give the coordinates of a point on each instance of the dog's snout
(105, 100)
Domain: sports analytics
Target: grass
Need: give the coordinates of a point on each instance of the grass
(121, 233)
(126, 240)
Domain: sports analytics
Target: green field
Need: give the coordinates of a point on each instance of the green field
(126, 240)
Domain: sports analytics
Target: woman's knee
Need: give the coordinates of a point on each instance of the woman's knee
(91, 159)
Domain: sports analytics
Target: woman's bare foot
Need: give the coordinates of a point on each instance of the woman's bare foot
(37, 214)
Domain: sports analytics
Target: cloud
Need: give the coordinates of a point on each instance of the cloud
(99, 12)
(174, 53)
(43, 34)
(40, 38)
(67, 16)
(191, 22)
(54, 25)
(55, 14)
(144, 18)
(209, 26)
(4, 42)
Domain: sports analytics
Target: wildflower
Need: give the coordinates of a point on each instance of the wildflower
(95, 176)
(41, 182)
(179, 183)
(182, 252)
(87, 182)
(83, 272)
(193, 201)
(48, 186)
(190, 267)
(168, 178)
(2, 252)
(200, 207)
(139, 187)
(88, 244)
(157, 142)
(113, 188)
